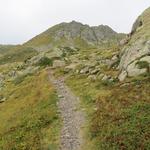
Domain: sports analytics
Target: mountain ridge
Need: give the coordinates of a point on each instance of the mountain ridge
(75, 34)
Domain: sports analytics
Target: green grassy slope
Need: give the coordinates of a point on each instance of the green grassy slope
(29, 118)
(17, 54)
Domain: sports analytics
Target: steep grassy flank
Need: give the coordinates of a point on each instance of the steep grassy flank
(119, 116)
(29, 118)
(17, 54)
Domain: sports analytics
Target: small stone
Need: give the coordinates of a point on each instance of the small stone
(60, 96)
(92, 77)
(85, 70)
(105, 78)
(94, 71)
(122, 76)
(2, 100)
(101, 76)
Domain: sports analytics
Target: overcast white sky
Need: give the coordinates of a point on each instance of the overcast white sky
(21, 20)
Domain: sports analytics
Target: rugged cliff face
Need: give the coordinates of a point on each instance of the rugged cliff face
(74, 34)
(135, 56)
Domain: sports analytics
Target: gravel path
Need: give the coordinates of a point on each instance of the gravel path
(73, 118)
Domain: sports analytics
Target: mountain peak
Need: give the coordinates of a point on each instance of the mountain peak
(74, 34)
(75, 22)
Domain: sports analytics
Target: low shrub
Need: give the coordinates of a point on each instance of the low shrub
(143, 65)
(45, 61)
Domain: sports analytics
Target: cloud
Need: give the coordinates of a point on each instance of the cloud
(21, 20)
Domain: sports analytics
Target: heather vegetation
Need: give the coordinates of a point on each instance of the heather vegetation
(118, 113)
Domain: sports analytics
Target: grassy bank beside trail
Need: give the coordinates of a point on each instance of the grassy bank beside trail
(29, 118)
(118, 114)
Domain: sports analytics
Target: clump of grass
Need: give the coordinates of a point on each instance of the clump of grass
(143, 65)
(107, 83)
(45, 61)
(20, 78)
(30, 118)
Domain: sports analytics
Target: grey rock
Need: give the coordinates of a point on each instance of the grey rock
(58, 63)
(114, 58)
(84, 70)
(77, 71)
(2, 100)
(146, 58)
(113, 62)
(12, 73)
(71, 67)
(133, 70)
(124, 41)
(101, 76)
(95, 71)
(122, 76)
(1, 83)
(92, 77)
(131, 55)
(2, 77)
(105, 78)
(137, 48)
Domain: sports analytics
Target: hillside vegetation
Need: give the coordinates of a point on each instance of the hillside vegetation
(119, 114)
(16, 54)
(29, 118)
(108, 72)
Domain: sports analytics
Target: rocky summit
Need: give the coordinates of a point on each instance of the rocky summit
(74, 34)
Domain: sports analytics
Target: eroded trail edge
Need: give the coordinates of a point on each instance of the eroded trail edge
(73, 117)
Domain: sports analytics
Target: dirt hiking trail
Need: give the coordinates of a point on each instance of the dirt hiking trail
(73, 118)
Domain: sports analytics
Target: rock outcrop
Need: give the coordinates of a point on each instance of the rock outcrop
(138, 48)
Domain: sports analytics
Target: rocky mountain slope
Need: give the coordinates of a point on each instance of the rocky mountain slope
(135, 56)
(74, 34)
(90, 61)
